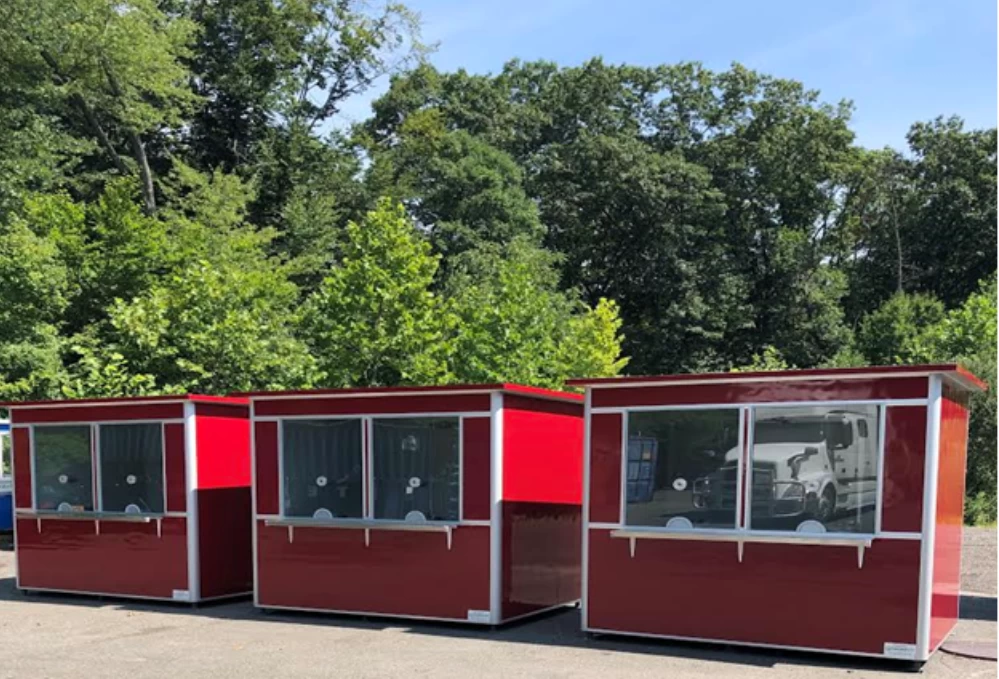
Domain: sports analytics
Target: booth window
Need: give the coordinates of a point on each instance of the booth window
(63, 475)
(682, 468)
(815, 468)
(416, 468)
(131, 468)
(323, 469)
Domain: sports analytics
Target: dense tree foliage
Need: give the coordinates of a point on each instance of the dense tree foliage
(182, 207)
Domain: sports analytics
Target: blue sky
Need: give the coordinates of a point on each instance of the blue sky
(899, 61)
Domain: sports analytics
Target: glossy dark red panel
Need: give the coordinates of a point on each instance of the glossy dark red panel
(225, 547)
(762, 392)
(127, 559)
(266, 452)
(788, 595)
(949, 520)
(223, 450)
(176, 470)
(542, 545)
(605, 467)
(372, 405)
(476, 473)
(157, 411)
(542, 451)
(229, 410)
(21, 442)
(399, 573)
(905, 459)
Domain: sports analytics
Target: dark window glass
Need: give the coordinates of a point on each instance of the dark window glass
(814, 469)
(132, 468)
(63, 473)
(682, 468)
(323, 471)
(416, 468)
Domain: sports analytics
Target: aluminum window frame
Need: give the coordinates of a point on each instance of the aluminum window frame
(362, 419)
(95, 439)
(740, 467)
(880, 419)
(370, 468)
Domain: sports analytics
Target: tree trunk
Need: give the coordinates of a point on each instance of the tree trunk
(138, 148)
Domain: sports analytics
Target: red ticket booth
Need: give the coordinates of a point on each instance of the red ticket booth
(808, 509)
(145, 497)
(458, 503)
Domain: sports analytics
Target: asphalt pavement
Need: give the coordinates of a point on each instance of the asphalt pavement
(67, 636)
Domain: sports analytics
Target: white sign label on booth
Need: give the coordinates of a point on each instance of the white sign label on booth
(181, 595)
(479, 616)
(902, 651)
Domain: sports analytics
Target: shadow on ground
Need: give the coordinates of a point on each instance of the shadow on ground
(556, 628)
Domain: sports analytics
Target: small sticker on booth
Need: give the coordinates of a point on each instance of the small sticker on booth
(901, 651)
(63, 478)
(181, 595)
(130, 479)
(679, 484)
(321, 481)
(479, 616)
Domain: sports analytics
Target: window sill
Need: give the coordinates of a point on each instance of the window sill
(366, 525)
(861, 542)
(53, 515)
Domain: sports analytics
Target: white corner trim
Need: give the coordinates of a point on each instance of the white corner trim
(587, 427)
(496, 507)
(930, 478)
(191, 476)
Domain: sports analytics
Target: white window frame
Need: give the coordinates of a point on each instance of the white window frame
(740, 468)
(363, 419)
(370, 469)
(95, 442)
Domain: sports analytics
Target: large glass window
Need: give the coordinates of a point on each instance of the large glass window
(323, 468)
(131, 468)
(815, 468)
(682, 468)
(416, 468)
(63, 475)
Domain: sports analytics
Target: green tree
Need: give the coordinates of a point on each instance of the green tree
(514, 324)
(109, 71)
(374, 319)
(897, 332)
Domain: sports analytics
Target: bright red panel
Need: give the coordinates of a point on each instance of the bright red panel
(605, 467)
(761, 392)
(21, 442)
(225, 545)
(266, 451)
(126, 559)
(161, 411)
(905, 457)
(949, 520)
(542, 545)
(223, 450)
(542, 451)
(176, 471)
(399, 573)
(476, 473)
(789, 595)
(373, 405)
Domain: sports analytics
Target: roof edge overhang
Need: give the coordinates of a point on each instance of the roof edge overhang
(953, 373)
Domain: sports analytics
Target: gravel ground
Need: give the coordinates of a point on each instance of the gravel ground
(63, 636)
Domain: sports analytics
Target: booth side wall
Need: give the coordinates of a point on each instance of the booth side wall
(541, 507)
(949, 516)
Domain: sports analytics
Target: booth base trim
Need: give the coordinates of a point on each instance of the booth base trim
(750, 644)
(139, 597)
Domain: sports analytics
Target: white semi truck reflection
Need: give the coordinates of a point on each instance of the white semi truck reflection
(820, 464)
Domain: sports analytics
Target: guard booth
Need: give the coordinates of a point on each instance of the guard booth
(145, 497)
(459, 503)
(808, 509)
(6, 482)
